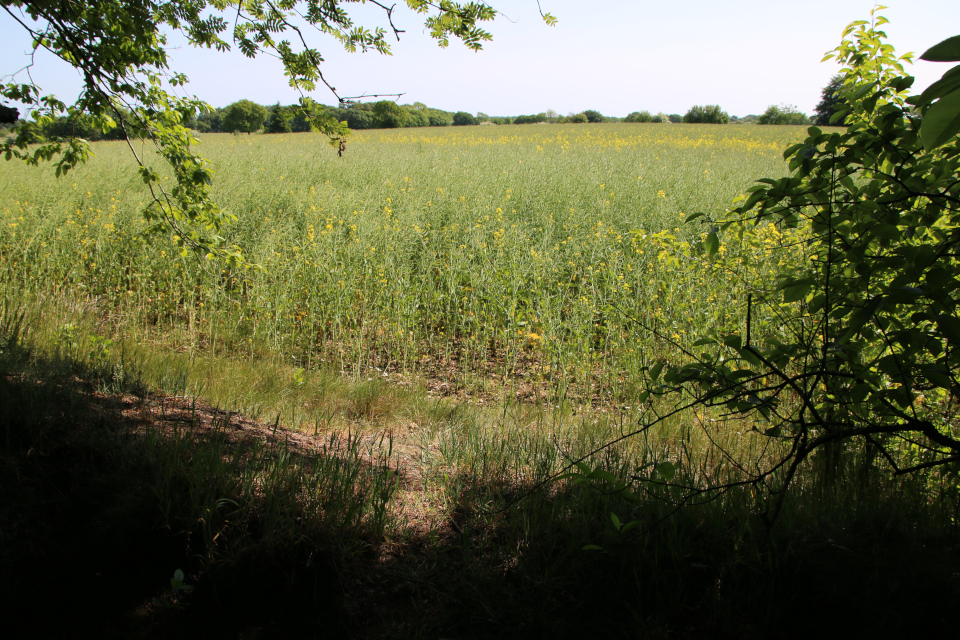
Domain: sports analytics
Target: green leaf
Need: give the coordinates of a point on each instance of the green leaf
(629, 525)
(860, 392)
(939, 377)
(949, 327)
(859, 318)
(616, 521)
(886, 231)
(890, 365)
(941, 122)
(666, 471)
(946, 51)
(733, 341)
(656, 370)
(941, 87)
(747, 354)
(712, 243)
(794, 290)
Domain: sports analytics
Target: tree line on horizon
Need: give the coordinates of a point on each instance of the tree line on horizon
(246, 116)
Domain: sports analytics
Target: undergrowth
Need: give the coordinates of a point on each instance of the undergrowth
(405, 515)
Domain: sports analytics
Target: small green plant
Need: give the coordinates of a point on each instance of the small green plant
(68, 339)
(177, 583)
(299, 377)
(98, 350)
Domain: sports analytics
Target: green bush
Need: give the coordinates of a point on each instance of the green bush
(462, 118)
(783, 114)
(279, 120)
(706, 114)
(389, 115)
(639, 116)
(593, 116)
(244, 116)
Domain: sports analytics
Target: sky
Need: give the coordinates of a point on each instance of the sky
(615, 56)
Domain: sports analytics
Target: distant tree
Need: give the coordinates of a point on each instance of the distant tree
(462, 118)
(387, 114)
(639, 116)
(707, 114)
(300, 123)
(540, 117)
(440, 119)
(830, 103)
(76, 125)
(675, 118)
(593, 115)
(482, 117)
(552, 115)
(416, 118)
(209, 122)
(662, 118)
(783, 114)
(279, 120)
(772, 115)
(244, 116)
(579, 118)
(359, 119)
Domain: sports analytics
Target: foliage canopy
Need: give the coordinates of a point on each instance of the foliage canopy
(783, 114)
(462, 118)
(244, 116)
(389, 115)
(706, 114)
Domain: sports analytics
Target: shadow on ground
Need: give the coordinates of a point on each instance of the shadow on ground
(84, 550)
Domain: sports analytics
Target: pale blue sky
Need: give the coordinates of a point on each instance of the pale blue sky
(614, 56)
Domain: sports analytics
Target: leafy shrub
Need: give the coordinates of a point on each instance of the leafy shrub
(783, 114)
(244, 116)
(462, 118)
(389, 115)
(707, 114)
(639, 116)
(593, 116)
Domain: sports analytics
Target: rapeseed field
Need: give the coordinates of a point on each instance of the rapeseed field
(532, 258)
